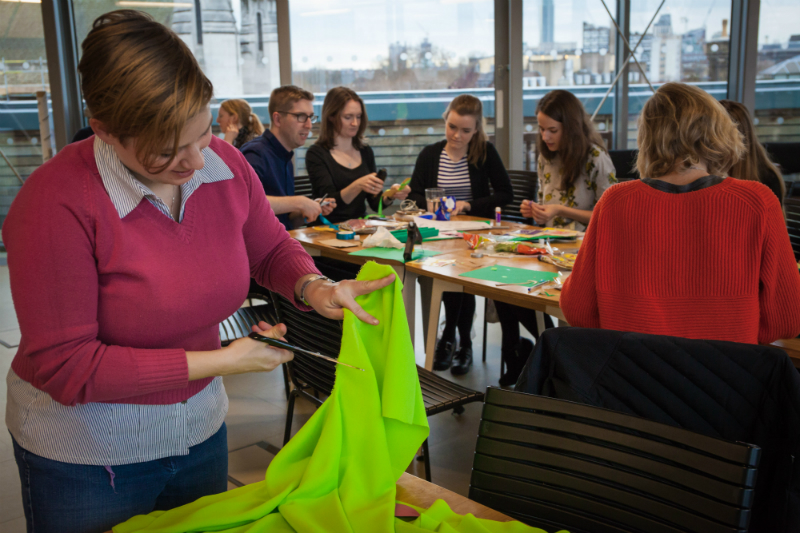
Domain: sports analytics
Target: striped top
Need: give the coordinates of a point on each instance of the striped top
(118, 433)
(454, 177)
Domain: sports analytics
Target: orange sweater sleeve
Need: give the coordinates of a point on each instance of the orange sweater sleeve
(579, 295)
(779, 284)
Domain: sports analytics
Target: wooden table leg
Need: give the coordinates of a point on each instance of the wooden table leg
(437, 288)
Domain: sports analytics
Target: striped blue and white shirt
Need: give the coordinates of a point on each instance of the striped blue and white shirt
(112, 434)
(454, 177)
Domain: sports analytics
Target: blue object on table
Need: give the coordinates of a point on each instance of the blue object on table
(328, 222)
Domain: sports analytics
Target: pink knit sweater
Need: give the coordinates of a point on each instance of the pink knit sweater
(108, 307)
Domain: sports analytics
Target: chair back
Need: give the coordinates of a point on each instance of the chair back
(557, 464)
(310, 331)
(785, 156)
(791, 206)
(624, 164)
(525, 185)
(302, 186)
(240, 323)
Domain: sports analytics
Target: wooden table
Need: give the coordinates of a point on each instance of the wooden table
(421, 493)
(435, 281)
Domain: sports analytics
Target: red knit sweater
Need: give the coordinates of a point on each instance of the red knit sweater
(713, 264)
(108, 307)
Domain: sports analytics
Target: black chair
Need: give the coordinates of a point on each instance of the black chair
(625, 164)
(557, 464)
(785, 155)
(302, 186)
(240, 323)
(525, 185)
(312, 375)
(791, 207)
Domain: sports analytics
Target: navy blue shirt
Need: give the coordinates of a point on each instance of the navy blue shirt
(273, 165)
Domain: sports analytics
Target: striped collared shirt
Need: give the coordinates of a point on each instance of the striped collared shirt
(108, 433)
(454, 177)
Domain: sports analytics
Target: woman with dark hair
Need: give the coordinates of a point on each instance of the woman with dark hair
(465, 164)
(755, 164)
(238, 122)
(340, 164)
(146, 235)
(735, 278)
(574, 172)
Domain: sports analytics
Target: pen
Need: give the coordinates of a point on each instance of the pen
(286, 346)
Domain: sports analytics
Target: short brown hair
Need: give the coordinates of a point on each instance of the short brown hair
(141, 81)
(578, 135)
(468, 105)
(680, 125)
(243, 111)
(283, 98)
(755, 162)
(330, 125)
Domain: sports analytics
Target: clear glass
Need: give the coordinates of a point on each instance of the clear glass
(687, 41)
(433, 196)
(235, 41)
(23, 73)
(406, 58)
(567, 44)
(777, 116)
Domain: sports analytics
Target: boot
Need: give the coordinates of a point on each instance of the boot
(462, 361)
(516, 362)
(443, 356)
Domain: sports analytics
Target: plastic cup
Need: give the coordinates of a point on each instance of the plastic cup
(433, 197)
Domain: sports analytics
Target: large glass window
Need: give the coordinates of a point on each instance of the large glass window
(407, 59)
(567, 44)
(778, 80)
(235, 41)
(23, 66)
(687, 41)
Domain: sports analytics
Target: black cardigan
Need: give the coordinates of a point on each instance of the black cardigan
(426, 176)
(329, 177)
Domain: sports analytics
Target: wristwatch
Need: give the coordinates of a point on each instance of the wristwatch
(308, 282)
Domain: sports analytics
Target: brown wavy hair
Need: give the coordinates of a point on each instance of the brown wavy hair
(142, 82)
(578, 134)
(679, 126)
(755, 162)
(331, 124)
(249, 120)
(468, 105)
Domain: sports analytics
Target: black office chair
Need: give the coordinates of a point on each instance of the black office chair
(624, 164)
(785, 155)
(302, 186)
(240, 323)
(791, 206)
(313, 376)
(556, 464)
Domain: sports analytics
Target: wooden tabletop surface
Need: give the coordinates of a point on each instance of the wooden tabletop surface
(421, 493)
(459, 250)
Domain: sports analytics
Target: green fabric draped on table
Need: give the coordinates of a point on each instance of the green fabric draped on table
(338, 473)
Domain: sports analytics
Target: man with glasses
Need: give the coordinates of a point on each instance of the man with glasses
(291, 114)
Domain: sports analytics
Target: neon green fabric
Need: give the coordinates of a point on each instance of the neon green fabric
(338, 473)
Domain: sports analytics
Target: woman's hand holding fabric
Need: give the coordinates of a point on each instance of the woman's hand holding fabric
(330, 299)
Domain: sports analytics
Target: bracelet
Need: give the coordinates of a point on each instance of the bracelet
(308, 282)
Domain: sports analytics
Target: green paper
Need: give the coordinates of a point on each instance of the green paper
(393, 254)
(338, 473)
(427, 233)
(504, 274)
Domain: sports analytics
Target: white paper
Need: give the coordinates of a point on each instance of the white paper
(451, 225)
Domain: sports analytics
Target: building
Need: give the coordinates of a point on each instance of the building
(548, 21)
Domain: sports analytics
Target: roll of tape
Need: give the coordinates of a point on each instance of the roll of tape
(345, 235)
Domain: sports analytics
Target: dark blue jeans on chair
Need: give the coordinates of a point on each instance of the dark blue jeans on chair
(69, 498)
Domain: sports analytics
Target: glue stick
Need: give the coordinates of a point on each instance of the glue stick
(497, 211)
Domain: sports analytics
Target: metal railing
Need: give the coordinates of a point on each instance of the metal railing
(20, 76)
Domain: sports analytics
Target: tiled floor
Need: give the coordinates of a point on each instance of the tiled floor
(257, 416)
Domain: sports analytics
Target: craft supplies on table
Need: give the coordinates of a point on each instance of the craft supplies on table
(427, 233)
(345, 235)
(453, 225)
(392, 254)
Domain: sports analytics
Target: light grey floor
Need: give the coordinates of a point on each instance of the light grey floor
(258, 412)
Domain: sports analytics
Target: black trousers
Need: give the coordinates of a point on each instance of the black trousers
(511, 316)
(459, 310)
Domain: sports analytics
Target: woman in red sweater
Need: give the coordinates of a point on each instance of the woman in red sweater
(685, 251)
(125, 252)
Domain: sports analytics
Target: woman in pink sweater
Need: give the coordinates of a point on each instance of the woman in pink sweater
(125, 252)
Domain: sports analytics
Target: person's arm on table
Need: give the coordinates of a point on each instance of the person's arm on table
(579, 295)
(779, 284)
(542, 214)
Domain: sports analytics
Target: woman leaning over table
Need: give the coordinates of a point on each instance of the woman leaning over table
(465, 164)
(125, 252)
(574, 172)
(238, 122)
(685, 251)
(340, 164)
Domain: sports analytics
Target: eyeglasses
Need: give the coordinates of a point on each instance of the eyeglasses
(302, 117)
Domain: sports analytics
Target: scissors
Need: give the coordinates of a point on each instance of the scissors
(286, 346)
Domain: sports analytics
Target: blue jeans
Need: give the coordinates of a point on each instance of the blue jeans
(66, 498)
